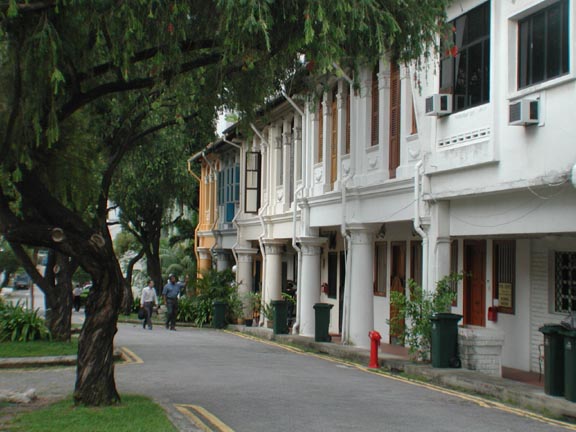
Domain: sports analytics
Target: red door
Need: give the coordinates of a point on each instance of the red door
(475, 282)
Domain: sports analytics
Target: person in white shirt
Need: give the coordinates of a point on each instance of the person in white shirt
(147, 302)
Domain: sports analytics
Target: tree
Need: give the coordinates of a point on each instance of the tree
(84, 82)
(148, 185)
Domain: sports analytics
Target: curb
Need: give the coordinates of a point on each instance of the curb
(33, 362)
(504, 390)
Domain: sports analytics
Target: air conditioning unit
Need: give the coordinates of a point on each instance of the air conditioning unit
(439, 104)
(523, 112)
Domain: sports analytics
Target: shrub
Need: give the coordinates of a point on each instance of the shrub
(20, 325)
(412, 322)
(213, 286)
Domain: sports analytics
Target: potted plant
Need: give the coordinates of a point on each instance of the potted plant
(253, 303)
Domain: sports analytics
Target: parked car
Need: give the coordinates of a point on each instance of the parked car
(22, 281)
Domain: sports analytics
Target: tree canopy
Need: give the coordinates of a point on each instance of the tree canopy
(83, 83)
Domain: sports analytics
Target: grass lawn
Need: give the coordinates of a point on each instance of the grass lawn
(38, 348)
(135, 413)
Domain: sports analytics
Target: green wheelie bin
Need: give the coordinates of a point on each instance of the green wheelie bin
(569, 341)
(322, 322)
(553, 359)
(218, 314)
(280, 316)
(445, 340)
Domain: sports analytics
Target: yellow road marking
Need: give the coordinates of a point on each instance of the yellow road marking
(195, 419)
(191, 412)
(474, 399)
(129, 356)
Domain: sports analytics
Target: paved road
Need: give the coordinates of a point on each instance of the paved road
(227, 380)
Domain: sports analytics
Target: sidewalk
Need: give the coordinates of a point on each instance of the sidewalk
(526, 393)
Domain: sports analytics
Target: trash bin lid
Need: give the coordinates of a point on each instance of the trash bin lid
(218, 302)
(445, 316)
(323, 306)
(551, 329)
(277, 302)
(569, 332)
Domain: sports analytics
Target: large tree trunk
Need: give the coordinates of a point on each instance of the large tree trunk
(153, 266)
(58, 297)
(95, 383)
(58, 228)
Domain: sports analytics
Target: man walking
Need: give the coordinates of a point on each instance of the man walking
(171, 292)
(147, 302)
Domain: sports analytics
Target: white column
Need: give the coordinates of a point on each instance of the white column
(361, 284)
(439, 242)
(244, 277)
(273, 278)
(309, 291)
(222, 260)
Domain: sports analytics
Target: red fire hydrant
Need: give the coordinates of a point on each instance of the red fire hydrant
(374, 344)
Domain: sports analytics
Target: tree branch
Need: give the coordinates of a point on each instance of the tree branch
(159, 127)
(146, 54)
(30, 6)
(82, 99)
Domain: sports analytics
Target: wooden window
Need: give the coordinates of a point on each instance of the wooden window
(334, 137)
(565, 282)
(394, 143)
(347, 139)
(252, 183)
(320, 132)
(380, 269)
(375, 125)
(504, 274)
(543, 45)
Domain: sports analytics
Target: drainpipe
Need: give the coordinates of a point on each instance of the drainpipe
(297, 193)
(417, 227)
(348, 259)
(344, 74)
(233, 144)
(190, 171)
(261, 214)
(344, 233)
(294, 105)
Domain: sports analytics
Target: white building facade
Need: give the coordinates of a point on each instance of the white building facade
(350, 195)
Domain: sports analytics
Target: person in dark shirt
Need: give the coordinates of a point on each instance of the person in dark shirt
(171, 293)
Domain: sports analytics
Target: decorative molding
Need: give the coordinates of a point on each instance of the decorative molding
(311, 246)
(273, 247)
(245, 255)
(482, 134)
(361, 234)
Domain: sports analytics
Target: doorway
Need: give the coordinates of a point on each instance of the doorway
(397, 283)
(475, 282)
